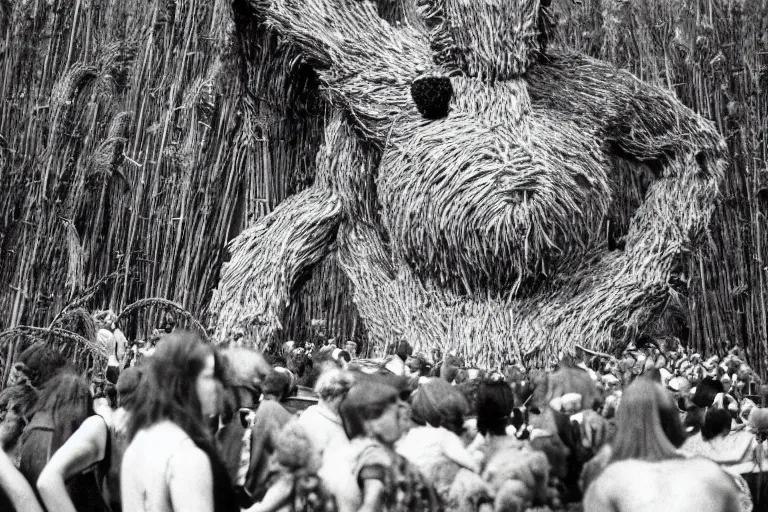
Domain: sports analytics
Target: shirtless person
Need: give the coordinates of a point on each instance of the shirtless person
(641, 469)
(682, 485)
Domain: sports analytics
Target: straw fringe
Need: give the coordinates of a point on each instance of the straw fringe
(155, 302)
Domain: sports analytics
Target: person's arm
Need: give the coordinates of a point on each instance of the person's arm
(277, 495)
(190, 481)
(120, 344)
(373, 495)
(455, 451)
(83, 449)
(16, 487)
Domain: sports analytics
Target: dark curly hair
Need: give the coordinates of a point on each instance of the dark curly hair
(495, 401)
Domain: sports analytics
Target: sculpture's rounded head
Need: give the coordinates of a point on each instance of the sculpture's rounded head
(487, 39)
(493, 196)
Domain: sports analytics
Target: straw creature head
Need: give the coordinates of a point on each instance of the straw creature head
(475, 193)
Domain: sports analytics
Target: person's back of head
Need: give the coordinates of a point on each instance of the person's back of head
(277, 384)
(439, 404)
(706, 391)
(167, 388)
(127, 387)
(404, 350)
(495, 401)
(572, 380)
(333, 384)
(717, 422)
(469, 389)
(41, 363)
(366, 400)
(649, 426)
(67, 398)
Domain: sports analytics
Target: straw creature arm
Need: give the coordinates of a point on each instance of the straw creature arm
(364, 64)
(269, 259)
(644, 124)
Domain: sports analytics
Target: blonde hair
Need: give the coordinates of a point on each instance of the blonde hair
(333, 383)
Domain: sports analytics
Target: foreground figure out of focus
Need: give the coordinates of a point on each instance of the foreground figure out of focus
(179, 392)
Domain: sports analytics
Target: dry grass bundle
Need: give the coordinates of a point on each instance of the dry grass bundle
(163, 304)
(505, 37)
(482, 200)
(293, 238)
(68, 342)
(78, 321)
(121, 148)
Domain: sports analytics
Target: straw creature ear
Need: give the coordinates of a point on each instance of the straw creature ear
(363, 62)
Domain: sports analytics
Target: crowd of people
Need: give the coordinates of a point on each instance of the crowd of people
(182, 425)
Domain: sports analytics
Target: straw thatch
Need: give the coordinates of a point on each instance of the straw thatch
(213, 121)
(484, 231)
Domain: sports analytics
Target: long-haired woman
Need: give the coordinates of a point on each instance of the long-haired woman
(645, 472)
(648, 428)
(171, 463)
(65, 402)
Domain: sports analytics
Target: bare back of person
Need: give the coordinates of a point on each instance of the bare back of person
(682, 485)
(154, 471)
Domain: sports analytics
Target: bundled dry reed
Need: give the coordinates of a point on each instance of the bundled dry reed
(124, 161)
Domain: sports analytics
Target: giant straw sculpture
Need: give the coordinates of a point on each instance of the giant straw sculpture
(470, 180)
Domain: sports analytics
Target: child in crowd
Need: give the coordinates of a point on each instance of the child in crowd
(369, 475)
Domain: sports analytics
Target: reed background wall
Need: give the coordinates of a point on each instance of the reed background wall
(138, 137)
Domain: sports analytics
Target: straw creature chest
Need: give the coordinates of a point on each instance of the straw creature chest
(470, 182)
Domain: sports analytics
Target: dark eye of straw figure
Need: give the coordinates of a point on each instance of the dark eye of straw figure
(432, 95)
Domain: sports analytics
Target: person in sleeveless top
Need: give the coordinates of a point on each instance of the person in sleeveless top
(98, 444)
(171, 463)
(643, 470)
(65, 403)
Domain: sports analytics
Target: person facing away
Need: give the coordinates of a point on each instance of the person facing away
(65, 402)
(646, 473)
(99, 443)
(171, 463)
(321, 422)
(435, 448)
(16, 405)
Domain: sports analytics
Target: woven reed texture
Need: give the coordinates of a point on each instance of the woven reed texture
(485, 231)
(152, 222)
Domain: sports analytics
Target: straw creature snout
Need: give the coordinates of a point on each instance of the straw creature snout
(492, 194)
